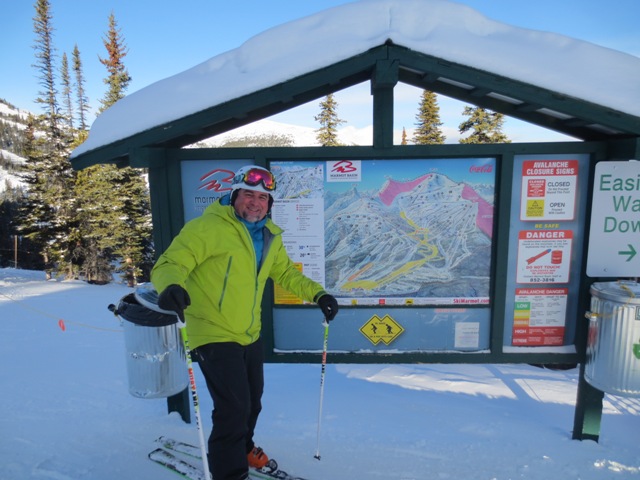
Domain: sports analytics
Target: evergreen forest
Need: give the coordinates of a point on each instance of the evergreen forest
(95, 224)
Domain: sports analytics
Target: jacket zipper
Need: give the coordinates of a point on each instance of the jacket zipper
(255, 282)
(224, 283)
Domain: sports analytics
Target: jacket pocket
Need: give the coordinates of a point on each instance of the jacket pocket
(224, 283)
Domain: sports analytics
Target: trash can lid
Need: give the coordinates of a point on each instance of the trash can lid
(623, 291)
(143, 313)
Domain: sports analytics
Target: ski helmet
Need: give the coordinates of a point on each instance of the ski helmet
(255, 178)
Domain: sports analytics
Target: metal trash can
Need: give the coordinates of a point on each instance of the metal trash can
(613, 345)
(155, 355)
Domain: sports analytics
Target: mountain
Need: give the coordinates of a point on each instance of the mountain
(282, 134)
(13, 122)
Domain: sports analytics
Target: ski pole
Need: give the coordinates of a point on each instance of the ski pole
(324, 368)
(194, 394)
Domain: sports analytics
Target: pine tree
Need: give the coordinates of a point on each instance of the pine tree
(45, 58)
(404, 137)
(66, 91)
(53, 176)
(98, 222)
(35, 216)
(428, 123)
(327, 134)
(81, 98)
(135, 245)
(118, 79)
(485, 125)
(114, 228)
(16, 205)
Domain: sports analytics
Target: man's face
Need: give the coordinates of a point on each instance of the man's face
(250, 205)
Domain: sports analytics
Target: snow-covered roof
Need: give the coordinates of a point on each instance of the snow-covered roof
(439, 28)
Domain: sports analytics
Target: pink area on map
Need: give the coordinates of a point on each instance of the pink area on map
(392, 188)
(484, 220)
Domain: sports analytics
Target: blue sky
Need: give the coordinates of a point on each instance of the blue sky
(165, 37)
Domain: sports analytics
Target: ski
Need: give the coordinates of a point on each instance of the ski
(178, 446)
(168, 445)
(171, 462)
(271, 472)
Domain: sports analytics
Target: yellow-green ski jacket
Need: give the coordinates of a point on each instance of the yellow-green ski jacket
(214, 259)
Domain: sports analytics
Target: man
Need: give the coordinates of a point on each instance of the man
(217, 266)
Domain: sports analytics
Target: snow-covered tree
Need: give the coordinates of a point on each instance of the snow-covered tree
(35, 218)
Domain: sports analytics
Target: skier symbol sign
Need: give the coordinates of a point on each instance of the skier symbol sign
(384, 329)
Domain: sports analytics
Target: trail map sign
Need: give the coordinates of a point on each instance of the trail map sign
(390, 232)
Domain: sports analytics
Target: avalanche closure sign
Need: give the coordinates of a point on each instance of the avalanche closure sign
(614, 241)
(548, 190)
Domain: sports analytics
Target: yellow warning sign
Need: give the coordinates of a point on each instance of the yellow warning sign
(384, 329)
(535, 208)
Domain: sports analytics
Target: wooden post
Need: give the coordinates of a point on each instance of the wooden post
(384, 79)
(588, 414)
(166, 213)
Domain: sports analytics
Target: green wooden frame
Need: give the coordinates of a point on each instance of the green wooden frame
(606, 134)
(168, 219)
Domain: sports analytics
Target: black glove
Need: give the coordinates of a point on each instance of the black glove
(174, 298)
(329, 306)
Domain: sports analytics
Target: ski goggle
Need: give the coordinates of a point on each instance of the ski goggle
(255, 177)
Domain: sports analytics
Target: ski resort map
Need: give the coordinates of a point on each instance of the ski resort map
(390, 232)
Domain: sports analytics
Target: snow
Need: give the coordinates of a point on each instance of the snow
(67, 413)
(298, 135)
(7, 110)
(9, 178)
(444, 29)
(12, 157)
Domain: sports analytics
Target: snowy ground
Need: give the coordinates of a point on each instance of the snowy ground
(66, 412)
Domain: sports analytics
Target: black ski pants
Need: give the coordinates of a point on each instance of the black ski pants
(235, 379)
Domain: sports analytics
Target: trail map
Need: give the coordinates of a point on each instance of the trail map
(391, 231)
